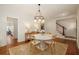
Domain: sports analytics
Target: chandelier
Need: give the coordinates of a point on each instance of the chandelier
(39, 18)
(39, 21)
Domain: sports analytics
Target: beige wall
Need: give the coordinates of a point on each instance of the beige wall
(78, 28)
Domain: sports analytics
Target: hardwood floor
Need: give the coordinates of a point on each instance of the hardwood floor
(72, 47)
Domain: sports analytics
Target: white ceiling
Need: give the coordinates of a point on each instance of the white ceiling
(59, 10)
(49, 11)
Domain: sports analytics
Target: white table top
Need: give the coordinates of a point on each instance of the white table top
(43, 37)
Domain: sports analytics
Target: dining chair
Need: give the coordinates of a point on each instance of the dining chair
(51, 45)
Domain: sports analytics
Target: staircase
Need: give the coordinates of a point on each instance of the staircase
(60, 29)
(61, 32)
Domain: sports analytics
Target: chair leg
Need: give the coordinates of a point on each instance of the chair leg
(54, 48)
(51, 48)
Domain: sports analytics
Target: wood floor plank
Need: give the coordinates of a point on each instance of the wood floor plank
(72, 47)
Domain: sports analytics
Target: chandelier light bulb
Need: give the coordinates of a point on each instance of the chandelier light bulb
(43, 21)
(35, 20)
(39, 20)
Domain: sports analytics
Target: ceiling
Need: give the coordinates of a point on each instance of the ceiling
(49, 11)
(59, 10)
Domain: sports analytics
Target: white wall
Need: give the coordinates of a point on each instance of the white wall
(50, 26)
(2, 33)
(3, 40)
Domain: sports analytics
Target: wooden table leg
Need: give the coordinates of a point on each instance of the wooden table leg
(54, 48)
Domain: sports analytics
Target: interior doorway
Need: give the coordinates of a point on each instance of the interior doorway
(12, 30)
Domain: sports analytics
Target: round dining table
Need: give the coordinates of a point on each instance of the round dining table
(43, 38)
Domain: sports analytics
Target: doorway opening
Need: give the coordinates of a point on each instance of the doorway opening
(12, 30)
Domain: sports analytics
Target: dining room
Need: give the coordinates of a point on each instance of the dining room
(39, 29)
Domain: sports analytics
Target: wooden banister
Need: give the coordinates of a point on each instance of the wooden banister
(63, 32)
